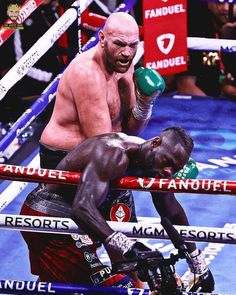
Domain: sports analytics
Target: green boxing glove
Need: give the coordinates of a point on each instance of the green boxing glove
(189, 171)
(148, 84)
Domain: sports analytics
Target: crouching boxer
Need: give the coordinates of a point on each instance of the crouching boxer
(102, 158)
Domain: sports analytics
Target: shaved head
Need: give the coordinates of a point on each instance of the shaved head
(121, 22)
(118, 42)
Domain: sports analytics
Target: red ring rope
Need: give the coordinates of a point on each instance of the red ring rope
(202, 186)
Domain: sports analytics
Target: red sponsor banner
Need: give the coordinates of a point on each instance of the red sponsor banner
(165, 35)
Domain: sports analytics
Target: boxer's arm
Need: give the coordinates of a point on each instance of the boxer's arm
(105, 164)
(130, 125)
(90, 194)
(148, 85)
(89, 92)
(168, 206)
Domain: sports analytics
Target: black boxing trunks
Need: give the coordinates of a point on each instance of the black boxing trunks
(119, 205)
(49, 203)
(50, 157)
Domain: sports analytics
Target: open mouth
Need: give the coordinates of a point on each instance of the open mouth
(123, 62)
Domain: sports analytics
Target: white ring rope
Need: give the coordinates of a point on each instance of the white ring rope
(43, 44)
(15, 188)
(33, 72)
(57, 225)
(197, 43)
(79, 27)
(211, 44)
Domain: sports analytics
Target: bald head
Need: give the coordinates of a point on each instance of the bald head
(118, 42)
(121, 22)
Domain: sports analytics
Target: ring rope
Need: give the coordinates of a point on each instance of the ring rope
(14, 189)
(200, 186)
(211, 44)
(29, 115)
(197, 43)
(26, 9)
(48, 94)
(33, 72)
(79, 39)
(30, 287)
(58, 225)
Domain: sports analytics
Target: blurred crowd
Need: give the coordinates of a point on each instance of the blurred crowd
(209, 73)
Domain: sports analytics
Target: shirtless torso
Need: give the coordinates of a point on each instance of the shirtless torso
(96, 93)
(97, 109)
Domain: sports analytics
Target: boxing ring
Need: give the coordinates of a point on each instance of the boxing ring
(211, 122)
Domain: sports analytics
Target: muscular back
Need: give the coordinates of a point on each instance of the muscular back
(89, 101)
(103, 156)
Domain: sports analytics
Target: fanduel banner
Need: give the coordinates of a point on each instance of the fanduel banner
(165, 35)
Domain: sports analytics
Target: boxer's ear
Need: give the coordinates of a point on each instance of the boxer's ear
(156, 141)
(101, 37)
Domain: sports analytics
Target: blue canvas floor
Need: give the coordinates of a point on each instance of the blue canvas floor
(212, 124)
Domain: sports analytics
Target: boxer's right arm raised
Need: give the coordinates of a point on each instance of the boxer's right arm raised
(148, 85)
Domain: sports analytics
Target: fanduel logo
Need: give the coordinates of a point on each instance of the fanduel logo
(166, 42)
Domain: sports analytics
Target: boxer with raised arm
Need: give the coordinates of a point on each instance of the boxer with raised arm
(97, 94)
(101, 159)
